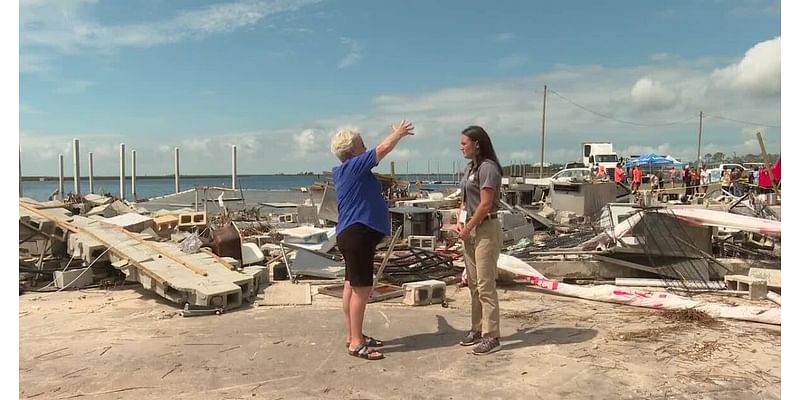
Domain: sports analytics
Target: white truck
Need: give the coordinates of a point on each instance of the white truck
(601, 153)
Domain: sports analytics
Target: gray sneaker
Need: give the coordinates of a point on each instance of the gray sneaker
(471, 338)
(487, 346)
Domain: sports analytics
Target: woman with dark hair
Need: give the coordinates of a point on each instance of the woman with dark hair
(481, 235)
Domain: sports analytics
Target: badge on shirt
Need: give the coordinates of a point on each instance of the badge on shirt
(472, 178)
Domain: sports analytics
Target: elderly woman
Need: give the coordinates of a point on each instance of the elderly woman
(363, 223)
(482, 237)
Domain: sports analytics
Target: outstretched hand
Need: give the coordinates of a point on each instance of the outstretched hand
(405, 128)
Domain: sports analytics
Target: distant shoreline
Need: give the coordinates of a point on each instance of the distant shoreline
(157, 177)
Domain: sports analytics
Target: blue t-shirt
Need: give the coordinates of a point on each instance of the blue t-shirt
(359, 194)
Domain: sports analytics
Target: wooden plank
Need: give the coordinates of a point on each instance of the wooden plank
(218, 258)
(163, 253)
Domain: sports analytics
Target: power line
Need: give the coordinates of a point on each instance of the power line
(744, 122)
(617, 119)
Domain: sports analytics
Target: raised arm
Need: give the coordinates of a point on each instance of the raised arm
(400, 131)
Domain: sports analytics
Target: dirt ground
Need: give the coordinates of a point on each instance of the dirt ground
(129, 344)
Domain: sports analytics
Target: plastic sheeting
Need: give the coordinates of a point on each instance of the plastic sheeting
(638, 298)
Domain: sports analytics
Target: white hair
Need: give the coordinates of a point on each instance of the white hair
(343, 143)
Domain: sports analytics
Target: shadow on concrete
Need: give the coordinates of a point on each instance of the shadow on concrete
(446, 336)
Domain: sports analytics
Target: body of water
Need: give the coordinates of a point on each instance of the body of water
(153, 187)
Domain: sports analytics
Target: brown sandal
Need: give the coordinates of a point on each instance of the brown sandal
(365, 352)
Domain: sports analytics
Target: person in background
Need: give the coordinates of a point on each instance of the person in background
(675, 174)
(601, 172)
(619, 174)
(481, 236)
(764, 182)
(654, 183)
(735, 176)
(363, 223)
(637, 178)
(726, 180)
(704, 179)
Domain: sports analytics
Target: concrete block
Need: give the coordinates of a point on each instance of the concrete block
(757, 288)
(424, 292)
(81, 277)
(422, 242)
(165, 223)
(191, 220)
(132, 222)
(518, 233)
(510, 221)
(772, 276)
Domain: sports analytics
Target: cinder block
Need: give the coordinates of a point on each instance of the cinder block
(64, 278)
(424, 292)
(166, 222)
(422, 242)
(755, 287)
(192, 219)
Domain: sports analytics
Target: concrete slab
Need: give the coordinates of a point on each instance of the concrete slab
(75, 278)
(128, 345)
(285, 293)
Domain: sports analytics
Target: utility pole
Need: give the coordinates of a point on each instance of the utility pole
(699, 139)
(541, 159)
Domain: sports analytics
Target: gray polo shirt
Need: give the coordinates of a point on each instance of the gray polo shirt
(488, 175)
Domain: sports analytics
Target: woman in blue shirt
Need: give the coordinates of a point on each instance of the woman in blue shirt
(363, 223)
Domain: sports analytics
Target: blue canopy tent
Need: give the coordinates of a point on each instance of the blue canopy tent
(649, 160)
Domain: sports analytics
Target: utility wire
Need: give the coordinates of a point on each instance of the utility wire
(743, 122)
(617, 119)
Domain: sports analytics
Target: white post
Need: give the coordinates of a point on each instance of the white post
(133, 174)
(91, 172)
(122, 171)
(233, 167)
(76, 166)
(20, 172)
(177, 171)
(61, 177)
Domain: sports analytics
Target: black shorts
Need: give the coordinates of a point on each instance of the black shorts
(357, 244)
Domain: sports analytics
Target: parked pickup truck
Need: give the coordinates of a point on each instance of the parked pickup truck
(565, 175)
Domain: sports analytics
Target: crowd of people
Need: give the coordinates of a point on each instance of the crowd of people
(735, 181)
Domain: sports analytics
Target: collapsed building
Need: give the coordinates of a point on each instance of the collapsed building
(216, 248)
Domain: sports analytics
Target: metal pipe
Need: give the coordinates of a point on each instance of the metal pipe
(233, 167)
(133, 174)
(91, 172)
(177, 171)
(122, 171)
(76, 167)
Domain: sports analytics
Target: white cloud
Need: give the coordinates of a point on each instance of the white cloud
(510, 110)
(663, 57)
(757, 8)
(27, 109)
(758, 72)
(65, 27)
(355, 52)
(648, 93)
(74, 87)
(505, 36)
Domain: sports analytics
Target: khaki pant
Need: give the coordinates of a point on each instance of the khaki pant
(480, 256)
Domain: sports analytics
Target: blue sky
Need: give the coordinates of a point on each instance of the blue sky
(278, 78)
